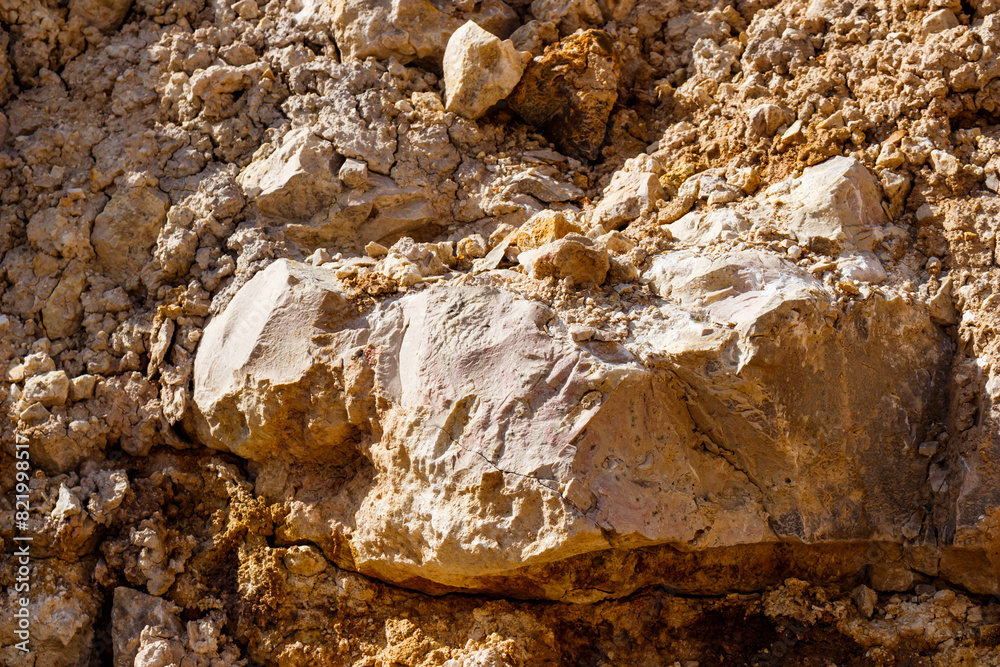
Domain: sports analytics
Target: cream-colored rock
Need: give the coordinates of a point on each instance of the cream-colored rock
(939, 21)
(304, 560)
(112, 489)
(354, 173)
(82, 387)
(296, 181)
(834, 205)
(629, 195)
(486, 400)
(49, 389)
(570, 15)
(702, 228)
(126, 230)
(259, 352)
(406, 29)
(479, 70)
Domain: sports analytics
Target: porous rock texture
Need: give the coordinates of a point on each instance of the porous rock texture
(664, 333)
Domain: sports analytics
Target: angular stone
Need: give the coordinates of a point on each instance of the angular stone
(574, 258)
(131, 613)
(795, 354)
(410, 30)
(297, 180)
(629, 195)
(834, 205)
(734, 411)
(49, 389)
(542, 183)
(126, 230)
(406, 29)
(260, 379)
(479, 70)
(543, 227)
(570, 15)
(105, 15)
(568, 92)
(63, 312)
(703, 228)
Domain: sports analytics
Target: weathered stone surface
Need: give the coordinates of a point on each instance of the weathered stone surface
(479, 70)
(747, 404)
(131, 614)
(629, 195)
(105, 15)
(702, 228)
(257, 367)
(570, 16)
(49, 389)
(834, 205)
(411, 30)
(574, 258)
(544, 227)
(63, 312)
(126, 230)
(297, 180)
(568, 92)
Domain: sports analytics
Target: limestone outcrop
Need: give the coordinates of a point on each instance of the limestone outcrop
(716, 421)
(499, 333)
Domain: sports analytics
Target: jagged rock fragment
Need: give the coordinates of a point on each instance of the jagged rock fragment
(411, 30)
(297, 180)
(702, 228)
(834, 205)
(544, 227)
(259, 352)
(63, 312)
(131, 614)
(629, 195)
(49, 389)
(126, 230)
(568, 92)
(479, 70)
(574, 258)
(105, 15)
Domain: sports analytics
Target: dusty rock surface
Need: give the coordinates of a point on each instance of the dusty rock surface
(499, 333)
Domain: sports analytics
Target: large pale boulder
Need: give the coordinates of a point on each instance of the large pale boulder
(745, 419)
(505, 446)
(260, 378)
(804, 397)
(479, 70)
